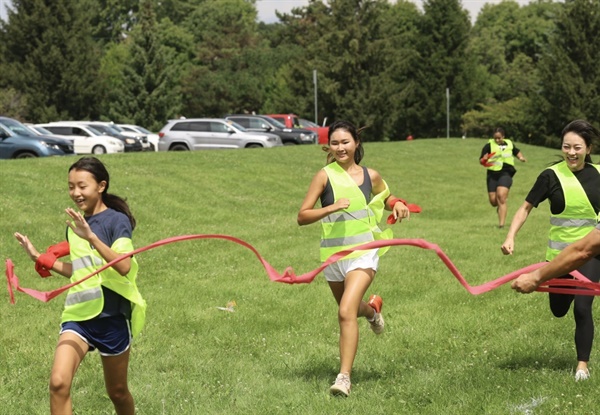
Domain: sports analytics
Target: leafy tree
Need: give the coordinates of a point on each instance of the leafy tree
(51, 58)
(508, 114)
(227, 73)
(176, 10)
(507, 42)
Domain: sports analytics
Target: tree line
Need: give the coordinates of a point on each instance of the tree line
(387, 65)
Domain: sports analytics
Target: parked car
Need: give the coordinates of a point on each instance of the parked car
(133, 134)
(152, 138)
(210, 133)
(293, 121)
(86, 140)
(131, 143)
(263, 123)
(37, 130)
(17, 141)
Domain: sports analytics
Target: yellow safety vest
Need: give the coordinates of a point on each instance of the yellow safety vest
(578, 217)
(85, 301)
(355, 225)
(501, 157)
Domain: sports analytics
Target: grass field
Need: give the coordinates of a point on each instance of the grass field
(444, 351)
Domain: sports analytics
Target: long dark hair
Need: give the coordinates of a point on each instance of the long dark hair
(95, 167)
(585, 130)
(354, 132)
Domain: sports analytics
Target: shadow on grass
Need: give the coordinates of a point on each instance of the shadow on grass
(317, 370)
(538, 362)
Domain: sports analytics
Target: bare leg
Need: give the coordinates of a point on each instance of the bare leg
(492, 198)
(349, 295)
(502, 197)
(115, 379)
(69, 354)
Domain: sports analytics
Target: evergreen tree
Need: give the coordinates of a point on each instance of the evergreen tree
(51, 58)
(396, 92)
(112, 19)
(569, 70)
(141, 84)
(362, 51)
(444, 38)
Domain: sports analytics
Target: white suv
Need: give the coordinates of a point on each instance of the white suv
(86, 140)
(210, 133)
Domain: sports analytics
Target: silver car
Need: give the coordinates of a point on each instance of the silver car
(211, 133)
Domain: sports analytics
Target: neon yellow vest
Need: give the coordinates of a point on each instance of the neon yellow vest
(355, 225)
(501, 157)
(85, 301)
(578, 218)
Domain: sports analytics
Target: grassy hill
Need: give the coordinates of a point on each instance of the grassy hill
(443, 352)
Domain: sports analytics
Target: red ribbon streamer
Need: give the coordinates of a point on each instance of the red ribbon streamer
(580, 284)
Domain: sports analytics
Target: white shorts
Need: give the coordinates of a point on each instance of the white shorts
(337, 271)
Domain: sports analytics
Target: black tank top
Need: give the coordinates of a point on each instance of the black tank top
(327, 197)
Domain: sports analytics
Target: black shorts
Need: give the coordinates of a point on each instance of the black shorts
(500, 179)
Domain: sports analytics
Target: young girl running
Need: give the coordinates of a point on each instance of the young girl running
(105, 311)
(352, 201)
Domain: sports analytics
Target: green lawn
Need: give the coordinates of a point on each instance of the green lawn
(444, 351)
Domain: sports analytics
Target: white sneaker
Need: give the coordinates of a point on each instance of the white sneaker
(377, 325)
(582, 375)
(341, 386)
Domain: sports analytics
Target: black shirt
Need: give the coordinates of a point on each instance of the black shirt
(547, 186)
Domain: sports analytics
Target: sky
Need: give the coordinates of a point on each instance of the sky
(266, 8)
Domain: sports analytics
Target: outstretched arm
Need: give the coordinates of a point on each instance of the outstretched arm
(517, 222)
(570, 258)
(63, 268)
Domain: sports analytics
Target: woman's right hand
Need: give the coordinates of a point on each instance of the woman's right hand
(27, 246)
(508, 246)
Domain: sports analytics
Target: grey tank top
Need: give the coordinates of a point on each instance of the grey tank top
(327, 197)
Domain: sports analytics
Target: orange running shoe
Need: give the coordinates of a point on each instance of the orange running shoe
(377, 324)
(376, 302)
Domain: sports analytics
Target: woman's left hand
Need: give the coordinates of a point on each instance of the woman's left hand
(79, 225)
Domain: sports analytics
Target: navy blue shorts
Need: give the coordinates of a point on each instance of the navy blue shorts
(110, 335)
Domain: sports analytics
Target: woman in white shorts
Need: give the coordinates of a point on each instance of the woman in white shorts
(352, 202)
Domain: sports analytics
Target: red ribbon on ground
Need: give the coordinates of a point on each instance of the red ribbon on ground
(580, 285)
